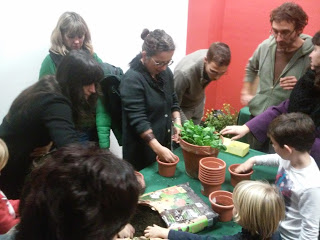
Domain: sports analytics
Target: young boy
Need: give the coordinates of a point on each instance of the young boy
(298, 176)
(8, 208)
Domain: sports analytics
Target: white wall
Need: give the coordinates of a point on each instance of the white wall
(115, 27)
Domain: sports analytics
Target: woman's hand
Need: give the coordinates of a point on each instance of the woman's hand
(166, 155)
(156, 232)
(246, 166)
(40, 151)
(238, 131)
(176, 135)
(127, 232)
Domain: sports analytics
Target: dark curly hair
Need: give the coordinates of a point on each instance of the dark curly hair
(80, 192)
(292, 13)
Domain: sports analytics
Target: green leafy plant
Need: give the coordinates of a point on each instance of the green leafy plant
(200, 135)
(219, 119)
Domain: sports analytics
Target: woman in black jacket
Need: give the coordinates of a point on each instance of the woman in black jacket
(50, 110)
(149, 102)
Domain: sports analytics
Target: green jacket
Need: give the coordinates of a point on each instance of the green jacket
(262, 64)
(48, 66)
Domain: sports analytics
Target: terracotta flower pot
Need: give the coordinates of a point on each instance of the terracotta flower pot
(207, 189)
(192, 155)
(212, 164)
(221, 203)
(140, 179)
(238, 177)
(209, 179)
(167, 169)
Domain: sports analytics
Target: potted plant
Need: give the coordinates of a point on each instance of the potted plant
(219, 119)
(198, 142)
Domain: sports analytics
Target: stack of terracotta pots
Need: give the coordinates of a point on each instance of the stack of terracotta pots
(212, 173)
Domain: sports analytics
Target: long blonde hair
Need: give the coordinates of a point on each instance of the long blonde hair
(4, 154)
(70, 23)
(259, 207)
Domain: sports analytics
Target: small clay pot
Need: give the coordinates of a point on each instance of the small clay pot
(221, 203)
(212, 164)
(140, 179)
(206, 188)
(167, 169)
(238, 177)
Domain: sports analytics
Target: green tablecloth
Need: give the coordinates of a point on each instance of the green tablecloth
(155, 182)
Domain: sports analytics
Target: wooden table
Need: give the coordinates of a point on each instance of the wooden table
(155, 182)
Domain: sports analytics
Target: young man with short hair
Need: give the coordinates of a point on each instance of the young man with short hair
(194, 73)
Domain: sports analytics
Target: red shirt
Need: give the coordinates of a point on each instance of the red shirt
(8, 213)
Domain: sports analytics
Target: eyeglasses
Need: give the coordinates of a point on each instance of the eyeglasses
(161, 64)
(284, 34)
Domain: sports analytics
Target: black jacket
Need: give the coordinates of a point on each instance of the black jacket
(47, 118)
(146, 104)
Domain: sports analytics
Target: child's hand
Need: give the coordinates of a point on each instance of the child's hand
(156, 232)
(127, 232)
(246, 166)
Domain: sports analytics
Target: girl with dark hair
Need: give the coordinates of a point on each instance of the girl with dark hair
(305, 98)
(149, 102)
(49, 110)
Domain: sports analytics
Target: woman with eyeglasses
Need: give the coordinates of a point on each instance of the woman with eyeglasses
(149, 102)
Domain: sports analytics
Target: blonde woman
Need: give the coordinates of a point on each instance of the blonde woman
(8, 208)
(70, 33)
(258, 209)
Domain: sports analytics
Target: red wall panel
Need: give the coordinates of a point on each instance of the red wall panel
(242, 24)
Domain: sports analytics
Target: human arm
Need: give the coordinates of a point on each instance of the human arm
(181, 85)
(47, 67)
(58, 120)
(287, 83)
(127, 232)
(165, 233)
(7, 221)
(15, 204)
(103, 122)
(246, 93)
(310, 211)
(238, 131)
(164, 153)
(265, 160)
(142, 113)
(251, 74)
(259, 125)
(176, 119)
